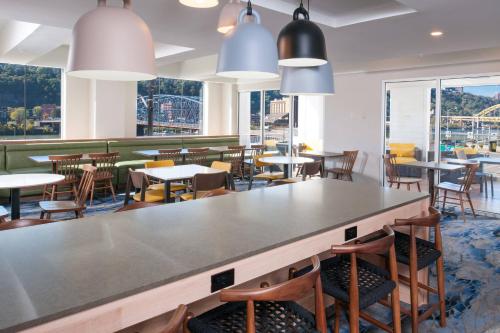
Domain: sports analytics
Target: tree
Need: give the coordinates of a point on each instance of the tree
(17, 115)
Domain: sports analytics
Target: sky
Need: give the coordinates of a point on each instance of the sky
(488, 91)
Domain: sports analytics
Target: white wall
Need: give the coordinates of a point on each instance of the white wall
(76, 107)
(353, 116)
(220, 109)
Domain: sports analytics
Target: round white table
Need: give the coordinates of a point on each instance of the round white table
(286, 161)
(18, 181)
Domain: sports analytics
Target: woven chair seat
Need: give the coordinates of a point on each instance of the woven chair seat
(426, 251)
(374, 282)
(270, 317)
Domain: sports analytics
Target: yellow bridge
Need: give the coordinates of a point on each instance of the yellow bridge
(479, 117)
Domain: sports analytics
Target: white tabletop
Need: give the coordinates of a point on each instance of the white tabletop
(285, 160)
(29, 180)
(45, 158)
(156, 152)
(177, 172)
(433, 165)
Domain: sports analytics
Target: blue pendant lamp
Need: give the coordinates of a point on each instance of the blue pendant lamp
(307, 80)
(250, 51)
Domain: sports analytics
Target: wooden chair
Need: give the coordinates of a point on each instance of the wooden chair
(272, 308)
(197, 156)
(356, 284)
(139, 183)
(204, 182)
(22, 223)
(105, 163)
(69, 167)
(216, 193)
(77, 205)
(483, 177)
(393, 177)
(345, 171)
(268, 176)
(458, 190)
(309, 169)
(177, 321)
(418, 254)
(158, 185)
(3, 214)
(256, 150)
(235, 157)
(136, 205)
(223, 166)
(170, 154)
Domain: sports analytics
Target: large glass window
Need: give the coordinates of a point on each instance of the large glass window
(169, 107)
(30, 102)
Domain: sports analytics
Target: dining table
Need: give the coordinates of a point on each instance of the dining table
(155, 153)
(16, 182)
(176, 173)
(286, 161)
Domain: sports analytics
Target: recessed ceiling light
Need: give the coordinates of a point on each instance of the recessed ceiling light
(436, 33)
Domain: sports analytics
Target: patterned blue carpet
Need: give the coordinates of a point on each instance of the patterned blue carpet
(472, 265)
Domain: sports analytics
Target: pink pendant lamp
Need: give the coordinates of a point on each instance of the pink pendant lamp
(112, 43)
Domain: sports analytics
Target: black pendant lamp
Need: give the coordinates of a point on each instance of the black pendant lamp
(301, 43)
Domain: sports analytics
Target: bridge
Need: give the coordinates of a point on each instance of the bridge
(479, 117)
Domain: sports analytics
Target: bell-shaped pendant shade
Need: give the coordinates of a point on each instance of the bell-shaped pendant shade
(112, 43)
(301, 43)
(228, 17)
(249, 51)
(307, 80)
(200, 3)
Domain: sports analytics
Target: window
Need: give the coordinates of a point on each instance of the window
(30, 102)
(169, 107)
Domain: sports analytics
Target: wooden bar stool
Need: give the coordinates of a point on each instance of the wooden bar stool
(177, 321)
(268, 309)
(356, 284)
(418, 254)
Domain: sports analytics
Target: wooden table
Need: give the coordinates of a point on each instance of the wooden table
(431, 168)
(105, 273)
(176, 173)
(154, 153)
(286, 161)
(321, 155)
(18, 181)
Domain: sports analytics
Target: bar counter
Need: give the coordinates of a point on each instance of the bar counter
(103, 273)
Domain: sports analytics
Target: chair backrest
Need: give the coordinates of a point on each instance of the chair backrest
(223, 166)
(203, 182)
(348, 160)
(257, 150)
(105, 163)
(391, 167)
(470, 174)
(159, 164)
(259, 164)
(170, 154)
(136, 180)
(461, 155)
(310, 169)
(378, 246)
(291, 290)
(236, 147)
(176, 322)
(215, 193)
(23, 223)
(197, 156)
(66, 165)
(136, 205)
(432, 220)
(85, 186)
(235, 157)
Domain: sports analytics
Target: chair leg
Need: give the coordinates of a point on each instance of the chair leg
(408, 187)
(44, 192)
(48, 216)
(111, 187)
(338, 312)
(444, 198)
(418, 187)
(353, 318)
(414, 295)
(491, 183)
(484, 183)
(441, 290)
(42, 215)
(461, 198)
(75, 191)
(396, 313)
(53, 194)
(399, 185)
(470, 204)
(92, 190)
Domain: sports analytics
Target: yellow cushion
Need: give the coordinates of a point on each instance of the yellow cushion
(402, 149)
(173, 187)
(152, 196)
(270, 175)
(260, 164)
(468, 150)
(158, 164)
(404, 160)
(186, 196)
(223, 166)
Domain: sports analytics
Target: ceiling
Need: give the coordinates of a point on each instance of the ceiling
(360, 34)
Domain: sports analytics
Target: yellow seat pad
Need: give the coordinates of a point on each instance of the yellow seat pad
(270, 175)
(174, 187)
(152, 196)
(404, 160)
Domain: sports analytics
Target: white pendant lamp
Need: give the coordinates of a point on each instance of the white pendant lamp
(307, 80)
(228, 17)
(200, 3)
(249, 52)
(112, 43)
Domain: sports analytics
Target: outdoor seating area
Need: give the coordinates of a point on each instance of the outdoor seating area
(235, 166)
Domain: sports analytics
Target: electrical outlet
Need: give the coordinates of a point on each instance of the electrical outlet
(351, 233)
(222, 280)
